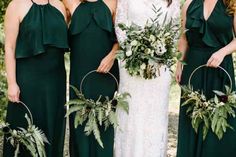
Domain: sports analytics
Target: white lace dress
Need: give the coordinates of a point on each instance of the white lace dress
(143, 132)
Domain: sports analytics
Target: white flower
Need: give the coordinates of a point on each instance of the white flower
(134, 43)
(128, 53)
(152, 38)
(148, 51)
(143, 66)
(161, 49)
(167, 34)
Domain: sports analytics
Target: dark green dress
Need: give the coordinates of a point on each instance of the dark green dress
(91, 39)
(40, 74)
(204, 38)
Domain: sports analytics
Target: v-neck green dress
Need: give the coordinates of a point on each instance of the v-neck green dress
(204, 38)
(91, 36)
(40, 74)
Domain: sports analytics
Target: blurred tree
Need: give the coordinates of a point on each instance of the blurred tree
(3, 100)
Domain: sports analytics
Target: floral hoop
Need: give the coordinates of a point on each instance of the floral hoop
(32, 138)
(97, 113)
(210, 113)
(204, 65)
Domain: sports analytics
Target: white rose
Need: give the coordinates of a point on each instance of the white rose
(152, 38)
(134, 43)
(147, 51)
(128, 53)
(143, 66)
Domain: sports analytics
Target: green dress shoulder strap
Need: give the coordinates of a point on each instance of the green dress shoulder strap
(215, 32)
(43, 25)
(88, 11)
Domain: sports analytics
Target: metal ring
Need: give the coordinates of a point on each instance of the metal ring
(95, 71)
(204, 65)
(28, 110)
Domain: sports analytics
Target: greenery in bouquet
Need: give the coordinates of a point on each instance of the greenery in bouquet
(97, 114)
(211, 114)
(147, 48)
(31, 139)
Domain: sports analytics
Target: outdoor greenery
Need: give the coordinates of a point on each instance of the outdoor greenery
(3, 100)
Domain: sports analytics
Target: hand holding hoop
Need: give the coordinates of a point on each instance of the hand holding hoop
(204, 65)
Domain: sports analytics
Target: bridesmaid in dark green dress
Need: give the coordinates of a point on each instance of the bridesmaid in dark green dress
(93, 47)
(35, 46)
(208, 40)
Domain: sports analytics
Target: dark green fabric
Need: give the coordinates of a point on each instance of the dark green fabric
(204, 38)
(91, 39)
(42, 82)
(43, 26)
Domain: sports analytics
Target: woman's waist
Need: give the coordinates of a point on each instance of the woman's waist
(43, 63)
(202, 47)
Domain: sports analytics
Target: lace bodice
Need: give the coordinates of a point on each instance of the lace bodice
(139, 11)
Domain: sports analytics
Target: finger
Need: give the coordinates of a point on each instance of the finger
(99, 68)
(107, 69)
(214, 64)
(178, 79)
(10, 98)
(104, 69)
(17, 98)
(210, 61)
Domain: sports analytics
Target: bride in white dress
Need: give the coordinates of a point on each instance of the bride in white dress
(143, 132)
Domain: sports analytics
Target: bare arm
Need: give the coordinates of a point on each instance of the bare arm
(183, 43)
(107, 63)
(217, 58)
(12, 22)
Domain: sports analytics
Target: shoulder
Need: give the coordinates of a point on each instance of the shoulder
(18, 8)
(186, 5)
(112, 4)
(18, 5)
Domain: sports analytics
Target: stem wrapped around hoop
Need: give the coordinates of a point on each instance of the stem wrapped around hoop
(95, 113)
(32, 138)
(210, 113)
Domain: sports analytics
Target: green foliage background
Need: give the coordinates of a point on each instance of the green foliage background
(3, 100)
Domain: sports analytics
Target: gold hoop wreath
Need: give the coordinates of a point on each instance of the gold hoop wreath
(31, 138)
(95, 113)
(212, 114)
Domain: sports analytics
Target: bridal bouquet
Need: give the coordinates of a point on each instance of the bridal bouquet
(147, 48)
(95, 113)
(211, 114)
(32, 138)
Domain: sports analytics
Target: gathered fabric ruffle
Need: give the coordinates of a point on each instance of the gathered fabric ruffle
(43, 26)
(101, 14)
(210, 37)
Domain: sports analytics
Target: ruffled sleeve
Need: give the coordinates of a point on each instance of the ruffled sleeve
(42, 26)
